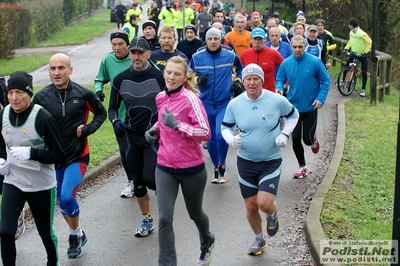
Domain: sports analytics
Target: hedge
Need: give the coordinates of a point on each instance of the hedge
(35, 21)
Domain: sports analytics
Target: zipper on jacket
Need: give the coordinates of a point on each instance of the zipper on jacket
(63, 102)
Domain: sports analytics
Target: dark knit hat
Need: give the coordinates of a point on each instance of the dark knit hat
(120, 34)
(191, 27)
(22, 81)
(151, 24)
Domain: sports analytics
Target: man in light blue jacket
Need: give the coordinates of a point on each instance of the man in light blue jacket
(309, 85)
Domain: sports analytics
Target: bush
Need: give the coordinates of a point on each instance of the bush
(14, 23)
(47, 18)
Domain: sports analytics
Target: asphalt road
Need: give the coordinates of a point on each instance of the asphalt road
(110, 221)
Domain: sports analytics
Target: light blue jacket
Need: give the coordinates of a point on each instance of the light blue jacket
(308, 79)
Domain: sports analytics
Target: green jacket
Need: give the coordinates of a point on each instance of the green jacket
(130, 29)
(168, 17)
(359, 42)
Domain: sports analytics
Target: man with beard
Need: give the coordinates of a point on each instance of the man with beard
(167, 41)
(149, 29)
(190, 45)
(255, 22)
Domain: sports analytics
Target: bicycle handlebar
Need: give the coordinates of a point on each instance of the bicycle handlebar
(354, 54)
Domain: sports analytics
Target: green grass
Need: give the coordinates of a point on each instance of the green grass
(102, 143)
(82, 31)
(359, 204)
(27, 63)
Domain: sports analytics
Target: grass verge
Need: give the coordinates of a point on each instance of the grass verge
(102, 143)
(27, 63)
(359, 204)
(80, 32)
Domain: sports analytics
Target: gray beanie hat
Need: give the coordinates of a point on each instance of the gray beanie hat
(213, 32)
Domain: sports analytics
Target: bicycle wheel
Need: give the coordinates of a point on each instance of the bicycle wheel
(346, 85)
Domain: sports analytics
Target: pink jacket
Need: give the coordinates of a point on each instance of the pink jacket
(181, 148)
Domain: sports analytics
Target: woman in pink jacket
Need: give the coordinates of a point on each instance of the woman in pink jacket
(182, 126)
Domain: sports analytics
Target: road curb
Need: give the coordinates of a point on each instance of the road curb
(103, 167)
(312, 225)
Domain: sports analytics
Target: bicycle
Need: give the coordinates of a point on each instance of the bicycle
(347, 84)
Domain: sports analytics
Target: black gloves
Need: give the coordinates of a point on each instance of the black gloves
(119, 128)
(101, 95)
(237, 88)
(202, 80)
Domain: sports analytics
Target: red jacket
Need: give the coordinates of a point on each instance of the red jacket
(268, 59)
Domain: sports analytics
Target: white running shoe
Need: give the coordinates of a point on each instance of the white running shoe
(128, 192)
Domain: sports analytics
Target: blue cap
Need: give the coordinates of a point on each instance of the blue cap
(257, 33)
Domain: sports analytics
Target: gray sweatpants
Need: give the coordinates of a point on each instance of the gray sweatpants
(167, 191)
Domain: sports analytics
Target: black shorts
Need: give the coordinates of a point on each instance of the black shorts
(258, 176)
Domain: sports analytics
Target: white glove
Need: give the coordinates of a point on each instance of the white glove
(4, 167)
(281, 140)
(237, 141)
(21, 153)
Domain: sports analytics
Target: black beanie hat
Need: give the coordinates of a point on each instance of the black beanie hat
(120, 34)
(191, 27)
(151, 24)
(22, 81)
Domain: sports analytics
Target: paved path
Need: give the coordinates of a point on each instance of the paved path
(110, 221)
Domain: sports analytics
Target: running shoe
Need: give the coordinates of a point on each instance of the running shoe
(315, 146)
(362, 93)
(145, 228)
(216, 175)
(205, 255)
(223, 178)
(273, 223)
(128, 192)
(75, 245)
(301, 173)
(205, 145)
(258, 246)
(20, 225)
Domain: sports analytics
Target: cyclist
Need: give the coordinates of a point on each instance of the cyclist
(360, 44)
